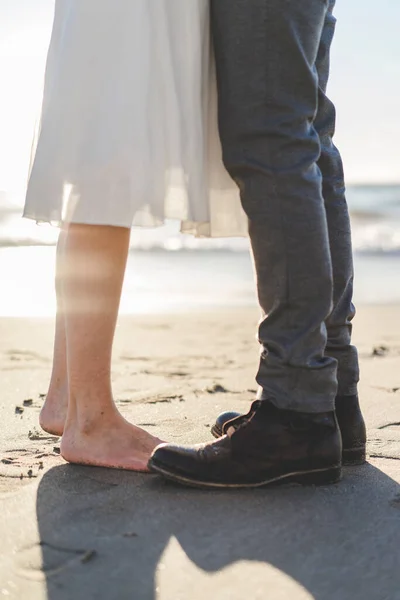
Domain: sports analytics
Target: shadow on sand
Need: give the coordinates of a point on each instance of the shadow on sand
(103, 534)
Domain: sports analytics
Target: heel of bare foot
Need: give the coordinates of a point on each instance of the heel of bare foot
(110, 442)
(54, 412)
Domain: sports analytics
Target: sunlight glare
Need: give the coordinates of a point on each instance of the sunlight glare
(22, 63)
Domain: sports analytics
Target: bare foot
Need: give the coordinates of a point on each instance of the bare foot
(112, 442)
(54, 411)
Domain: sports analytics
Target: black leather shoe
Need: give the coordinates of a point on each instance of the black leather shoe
(351, 424)
(272, 445)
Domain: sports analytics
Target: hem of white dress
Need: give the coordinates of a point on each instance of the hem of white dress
(198, 229)
(39, 220)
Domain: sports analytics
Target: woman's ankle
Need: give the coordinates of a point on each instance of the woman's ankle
(58, 388)
(89, 417)
(54, 410)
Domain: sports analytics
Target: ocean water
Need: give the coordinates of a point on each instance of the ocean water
(169, 272)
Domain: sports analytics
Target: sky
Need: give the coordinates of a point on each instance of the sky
(365, 85)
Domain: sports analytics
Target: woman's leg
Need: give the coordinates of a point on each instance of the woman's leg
(94, 260)
(54, 411)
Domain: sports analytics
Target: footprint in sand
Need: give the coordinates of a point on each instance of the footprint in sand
(24, 355)
(43, 560)
(135, 358)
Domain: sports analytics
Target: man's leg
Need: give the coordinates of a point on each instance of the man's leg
(338, 322)
(266, 52)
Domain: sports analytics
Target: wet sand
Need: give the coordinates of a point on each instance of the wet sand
(82, 533)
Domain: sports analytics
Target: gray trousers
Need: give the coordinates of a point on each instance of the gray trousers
(276, 126)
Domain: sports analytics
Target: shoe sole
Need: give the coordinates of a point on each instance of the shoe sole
(316, 477)
(351, 457)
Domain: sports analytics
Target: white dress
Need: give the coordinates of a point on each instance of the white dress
(128, 128)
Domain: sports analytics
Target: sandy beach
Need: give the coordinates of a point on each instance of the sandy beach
(84, 533)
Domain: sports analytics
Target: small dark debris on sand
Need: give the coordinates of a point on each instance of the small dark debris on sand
(380, 351)
(395, 502)
(161, 401)
(167, 399)
(217, 389)
(19, 410)
(28, 402)
(56, 449)
(30, 473)
(386, 425)
(7, 461)
(42, 396)
(35, 435)
(88, 556)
